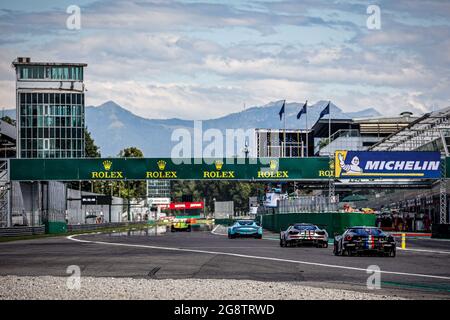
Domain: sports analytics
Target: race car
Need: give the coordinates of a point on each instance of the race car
(245, 228)
(180, 225)
(359, 240)
(304, 233)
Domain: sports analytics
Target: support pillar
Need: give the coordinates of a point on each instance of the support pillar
(331, 195)
(10, 206)
(443, 194)
(9, 196)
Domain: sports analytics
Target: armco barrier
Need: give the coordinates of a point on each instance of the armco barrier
(21, 231)
(88, 227)
(61, 227)
(226, 222)
(333, 222)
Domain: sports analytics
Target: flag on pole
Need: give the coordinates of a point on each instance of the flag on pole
(303, 110)
(325, 111)
(282, 110)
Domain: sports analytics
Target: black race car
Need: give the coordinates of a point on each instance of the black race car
(358, 240)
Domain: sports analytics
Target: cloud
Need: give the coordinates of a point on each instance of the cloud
(169, 100)
(162, 16)
(346, 72)
(199, 60)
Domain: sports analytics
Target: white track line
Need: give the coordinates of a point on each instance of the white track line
(251, 257)
(213, 231)
(399, 248)
(424, 250)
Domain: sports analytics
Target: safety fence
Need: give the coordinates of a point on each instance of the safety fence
(307, 204)
(33, 204)
(223, 209)
(333, 222)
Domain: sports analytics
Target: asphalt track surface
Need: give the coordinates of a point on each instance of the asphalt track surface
(422, 272)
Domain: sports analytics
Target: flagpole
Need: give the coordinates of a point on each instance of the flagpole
(329, 129)
(307, 148)
(300, 142)
(330, 181)
(284, 138)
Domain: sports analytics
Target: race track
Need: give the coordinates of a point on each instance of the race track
(422, 272)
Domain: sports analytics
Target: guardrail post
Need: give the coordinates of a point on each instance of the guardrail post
(403, 240)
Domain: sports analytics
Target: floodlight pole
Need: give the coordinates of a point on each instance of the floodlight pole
(307, 138)
(284, 136)
(110, 203)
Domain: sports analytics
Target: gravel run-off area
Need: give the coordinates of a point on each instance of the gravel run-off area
(49, 287)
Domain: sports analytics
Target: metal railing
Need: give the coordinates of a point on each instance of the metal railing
(341, 133)
(345, 133)
(307, 204)
(95, 226)
(298, 204)
(21, 231)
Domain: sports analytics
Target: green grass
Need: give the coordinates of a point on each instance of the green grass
(442, 287)
(110, 229)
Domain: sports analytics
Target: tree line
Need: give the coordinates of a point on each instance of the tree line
(208, 191)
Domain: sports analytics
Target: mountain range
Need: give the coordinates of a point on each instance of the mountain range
(115, 128)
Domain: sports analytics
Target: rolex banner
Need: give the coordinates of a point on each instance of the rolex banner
(168, 169)
(347, 165)
(387, 165)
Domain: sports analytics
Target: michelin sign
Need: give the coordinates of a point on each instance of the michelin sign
(387, 165)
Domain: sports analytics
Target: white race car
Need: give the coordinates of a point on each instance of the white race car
(304, 233)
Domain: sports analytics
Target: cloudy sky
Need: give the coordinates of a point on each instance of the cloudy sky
(199, 59)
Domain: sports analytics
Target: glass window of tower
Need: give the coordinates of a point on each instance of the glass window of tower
(51, 125)
(51, 72)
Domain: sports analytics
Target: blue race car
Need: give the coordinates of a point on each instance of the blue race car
(358, 240)
(245, 228)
